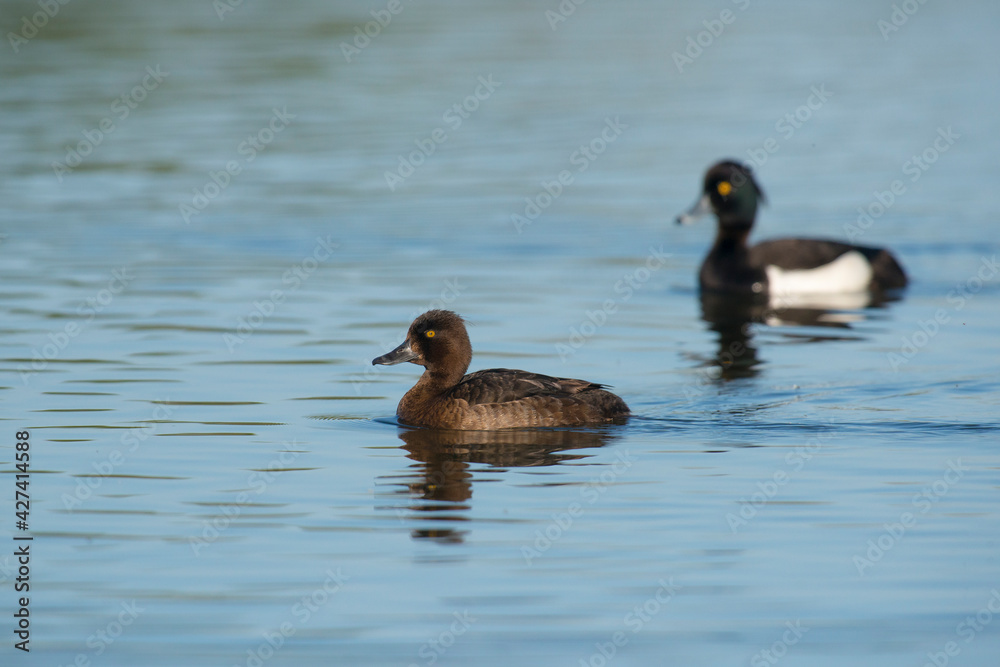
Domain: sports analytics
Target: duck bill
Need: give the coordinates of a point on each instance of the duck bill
(400, 355)
(701, 208)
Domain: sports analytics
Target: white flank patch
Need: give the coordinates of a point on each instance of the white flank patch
(849, 273)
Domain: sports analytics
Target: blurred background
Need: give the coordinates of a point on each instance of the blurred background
(215, 214)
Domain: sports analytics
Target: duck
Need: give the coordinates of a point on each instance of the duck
(780, 267)
(446, 398)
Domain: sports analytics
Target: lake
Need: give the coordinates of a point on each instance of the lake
(215, 215)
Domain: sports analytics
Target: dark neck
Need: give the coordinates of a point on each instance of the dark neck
(731, 240)
(727, 266)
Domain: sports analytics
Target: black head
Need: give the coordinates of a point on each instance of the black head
(438, 341)
(731, 193)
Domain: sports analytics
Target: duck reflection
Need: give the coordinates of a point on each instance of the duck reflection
(439, 483)
(733, 318)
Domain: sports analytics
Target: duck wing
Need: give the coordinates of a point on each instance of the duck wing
(503, 385)
(798, 254)
(805, 254)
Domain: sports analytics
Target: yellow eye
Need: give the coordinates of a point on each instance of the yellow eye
(724, 188)
(430, 334)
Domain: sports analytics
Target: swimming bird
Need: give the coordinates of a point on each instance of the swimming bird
(782, 266)
(444, 397)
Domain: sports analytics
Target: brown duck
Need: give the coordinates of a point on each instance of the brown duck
(445, 397)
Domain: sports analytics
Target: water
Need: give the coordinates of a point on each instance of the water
(215, 467)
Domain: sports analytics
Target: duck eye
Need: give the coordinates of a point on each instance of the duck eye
(724, 188)
(430, 334)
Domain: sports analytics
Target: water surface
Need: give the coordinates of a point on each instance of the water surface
(217, 475)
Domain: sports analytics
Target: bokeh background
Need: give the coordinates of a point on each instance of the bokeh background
(215, 214)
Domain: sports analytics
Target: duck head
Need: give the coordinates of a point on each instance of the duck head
(438, 341)
(731, 193)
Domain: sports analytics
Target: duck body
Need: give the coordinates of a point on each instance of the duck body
(804, 266)
(506, 398)
(781, 266)
(444, 397)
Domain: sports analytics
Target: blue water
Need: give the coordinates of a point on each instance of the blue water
(189, 312)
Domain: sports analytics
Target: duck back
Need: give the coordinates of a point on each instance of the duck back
(506, 398)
